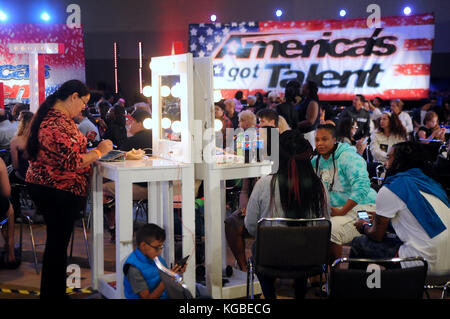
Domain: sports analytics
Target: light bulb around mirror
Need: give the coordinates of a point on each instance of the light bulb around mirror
(176, 127)
(147, 123)
(165, 123)
(165, 91)
(147, 91)
(218, 125)
(176, 90)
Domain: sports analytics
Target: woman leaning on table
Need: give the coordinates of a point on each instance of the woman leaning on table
(58, 174)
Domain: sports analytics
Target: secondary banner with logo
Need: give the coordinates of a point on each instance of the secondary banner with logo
(344, 57)
(14, 71)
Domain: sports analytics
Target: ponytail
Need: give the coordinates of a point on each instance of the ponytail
(65, 90)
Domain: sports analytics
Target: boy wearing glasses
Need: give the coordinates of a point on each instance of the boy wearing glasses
(142, 280)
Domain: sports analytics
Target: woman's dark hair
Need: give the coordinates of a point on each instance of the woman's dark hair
(395, 125)
(117, 116)
(239, 95)
(344, 128)
(301, 190)
(149, 233)
(407, 155)
(380, 100)
(103, 109)
(65, 90)
(313, 90)
(292, 90)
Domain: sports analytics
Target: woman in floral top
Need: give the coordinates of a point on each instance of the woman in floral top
(58, 175)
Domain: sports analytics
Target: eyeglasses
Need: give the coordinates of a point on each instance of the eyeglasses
(157, 248)
(85, 103)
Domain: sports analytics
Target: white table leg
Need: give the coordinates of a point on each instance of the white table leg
(188, 228)
(124, 228)
(154, 203)
(168, 222)
(213, 235)
(97, 243)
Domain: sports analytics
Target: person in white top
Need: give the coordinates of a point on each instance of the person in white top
(389, 132)
(397, 108)
(418, 209)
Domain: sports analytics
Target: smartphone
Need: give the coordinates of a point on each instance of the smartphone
(365, 140)
(182, 262)
(362, 214)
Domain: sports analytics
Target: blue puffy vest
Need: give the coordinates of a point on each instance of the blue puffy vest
(148, 269)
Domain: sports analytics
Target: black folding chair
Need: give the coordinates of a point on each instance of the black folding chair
(290, 248)
(396, 278)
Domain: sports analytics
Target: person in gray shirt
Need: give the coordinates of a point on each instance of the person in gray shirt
(7, 130)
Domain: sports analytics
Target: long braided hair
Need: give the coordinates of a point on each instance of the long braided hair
(302, 193)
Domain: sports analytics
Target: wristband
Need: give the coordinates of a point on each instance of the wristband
(98, 152)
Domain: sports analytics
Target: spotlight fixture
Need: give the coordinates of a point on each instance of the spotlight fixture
(342, 13)
(45, 16)
(213, 17)
(3, 16)
(407, 10)
(279, 13)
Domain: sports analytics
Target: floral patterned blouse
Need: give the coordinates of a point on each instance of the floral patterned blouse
(59, 160)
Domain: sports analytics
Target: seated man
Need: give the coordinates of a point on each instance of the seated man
(418, 209)
(140, 138)
(142, 279)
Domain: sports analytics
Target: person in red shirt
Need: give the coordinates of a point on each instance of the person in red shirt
(59, 171)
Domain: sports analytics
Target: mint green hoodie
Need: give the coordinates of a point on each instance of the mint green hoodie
(351, 179)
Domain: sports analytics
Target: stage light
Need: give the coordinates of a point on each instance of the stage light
(45, 16)
(148, 123)
(407, 11)
(176, 127)
(218, 125)
(213, 17)
(165, 123)
(278, 13)
(3, 16)
(165, 91)
(342, 13)
(147, 91)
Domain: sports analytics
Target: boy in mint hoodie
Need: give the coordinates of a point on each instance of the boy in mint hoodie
(344, 174)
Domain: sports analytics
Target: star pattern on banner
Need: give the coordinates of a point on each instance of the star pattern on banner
(204, 38)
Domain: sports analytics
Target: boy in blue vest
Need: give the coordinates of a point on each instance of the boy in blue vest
(142, 280)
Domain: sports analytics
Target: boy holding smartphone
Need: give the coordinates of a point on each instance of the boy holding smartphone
(142, 280)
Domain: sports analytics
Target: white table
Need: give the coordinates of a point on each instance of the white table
(214, 177)
(159, 173)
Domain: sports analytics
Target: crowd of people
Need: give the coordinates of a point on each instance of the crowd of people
(371, 156)
(330, 161)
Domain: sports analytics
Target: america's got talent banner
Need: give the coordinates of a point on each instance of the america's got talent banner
(345, 57)
(14, 70)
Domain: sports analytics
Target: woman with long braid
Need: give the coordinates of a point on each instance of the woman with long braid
(294, 191)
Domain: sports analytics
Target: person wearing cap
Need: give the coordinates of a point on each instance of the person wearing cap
(140, 138)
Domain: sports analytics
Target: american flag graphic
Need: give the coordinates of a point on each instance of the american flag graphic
(205, 37)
